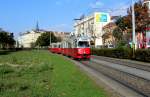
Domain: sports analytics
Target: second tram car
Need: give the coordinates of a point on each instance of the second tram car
(55, 48)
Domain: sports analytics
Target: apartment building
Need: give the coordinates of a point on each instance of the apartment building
(91, 26)
(147, 29)
(27, 39)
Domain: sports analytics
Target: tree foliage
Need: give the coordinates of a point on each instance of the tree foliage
(117, 33)
(123, 31)
(121, 23)
(44, 39)
(141, 16)
(106, 36)
(6, 39)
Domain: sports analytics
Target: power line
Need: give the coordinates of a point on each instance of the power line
(90, 10)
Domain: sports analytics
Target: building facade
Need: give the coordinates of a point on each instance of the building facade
(92, 26)
(147, 29)
(108, 38)
(61, 35)
(27, 39)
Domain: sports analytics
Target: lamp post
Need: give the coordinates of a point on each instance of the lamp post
(50, 39)
(133, 29)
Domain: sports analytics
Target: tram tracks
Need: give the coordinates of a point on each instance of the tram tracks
(135, 64)
(137, 82)
(133, 78)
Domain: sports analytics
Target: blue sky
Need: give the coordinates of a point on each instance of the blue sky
(21, 15)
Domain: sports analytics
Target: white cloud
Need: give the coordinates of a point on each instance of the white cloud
(114, 9)
(96, 4)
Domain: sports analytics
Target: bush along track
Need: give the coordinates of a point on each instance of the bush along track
(125, 53)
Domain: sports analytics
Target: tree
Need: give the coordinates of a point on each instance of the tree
(6, 39)
(106, 36)
(118, 34)
(10, 40)
(123, 31)
(141, 16)
(44, 39)
(3, 38)
(121, 23)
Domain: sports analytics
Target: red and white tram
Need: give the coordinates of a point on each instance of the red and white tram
(75, 47)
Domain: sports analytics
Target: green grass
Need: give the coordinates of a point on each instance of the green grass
(41, 74)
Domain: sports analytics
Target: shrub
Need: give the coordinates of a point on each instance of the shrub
(116, 53)
(142, 55)
(3, 52)
(123, 52)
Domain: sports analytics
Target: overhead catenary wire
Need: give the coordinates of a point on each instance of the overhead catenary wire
(109, 10)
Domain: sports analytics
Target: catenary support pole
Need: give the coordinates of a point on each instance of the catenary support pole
(133, 30)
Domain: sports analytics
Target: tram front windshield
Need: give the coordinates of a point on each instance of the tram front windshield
(83, 44)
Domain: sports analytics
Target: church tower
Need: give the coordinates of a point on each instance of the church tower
(37, 27)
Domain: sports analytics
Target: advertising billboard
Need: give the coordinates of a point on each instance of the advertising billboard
(101, 17)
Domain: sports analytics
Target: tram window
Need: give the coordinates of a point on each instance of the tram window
(69, 45)
(59, 46)
(83, 44)
(55, 46)
(75, 44)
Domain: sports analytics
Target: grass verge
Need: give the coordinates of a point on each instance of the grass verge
(41, 74)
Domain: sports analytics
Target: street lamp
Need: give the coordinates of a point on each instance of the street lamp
(50, 39)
